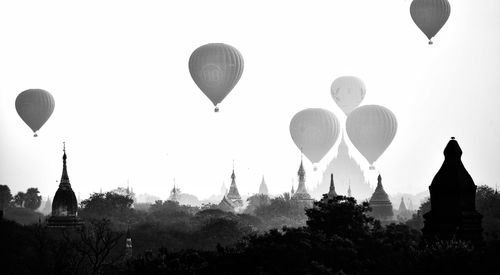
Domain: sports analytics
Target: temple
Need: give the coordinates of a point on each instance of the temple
(331, 193)
(232, 199)
(347, 172)
(64, 205)
(453, 212)
(403, 214)
(301, 194)
(380, 203)
(175, 194)
(263, 187)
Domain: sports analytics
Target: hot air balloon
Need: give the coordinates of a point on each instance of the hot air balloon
(314, 131)
(216, 68)
(371, 129)
(430, 15)
(348, 92)
(35, 106)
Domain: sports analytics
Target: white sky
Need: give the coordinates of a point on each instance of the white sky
(128, 109)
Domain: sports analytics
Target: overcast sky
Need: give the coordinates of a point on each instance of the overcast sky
(128, 109)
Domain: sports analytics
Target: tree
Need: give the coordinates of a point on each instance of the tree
(5, 197)
(340, 216)
(417, 220)
(19, 199)
(108, 205)
(31, 199)
(94, 244)
(256, 201)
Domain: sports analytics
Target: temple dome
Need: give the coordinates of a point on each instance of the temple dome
(380, 203)
(64, 204)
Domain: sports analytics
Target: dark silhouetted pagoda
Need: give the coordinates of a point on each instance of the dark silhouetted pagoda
(331, 193)
(453, 201)
(64, 205)
(380, 203)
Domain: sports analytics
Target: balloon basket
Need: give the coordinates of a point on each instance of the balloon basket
(35, 135)
(315, 168)
(216, 109)
(430, 42)
(372, 167)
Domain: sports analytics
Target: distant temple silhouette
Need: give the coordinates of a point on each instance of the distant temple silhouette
(175, 194)
(380, 203)
(64, 205)
(403, 213)
(453, 201)
(232, 199)
(301, 195)
(347, 172)
(263, 187)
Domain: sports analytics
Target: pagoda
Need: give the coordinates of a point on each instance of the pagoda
(301, 194)
(226, 205)
(64, 205)
(403, 212)
(347, 172)
(331, 193)
(263, 187)
(453, 212)
(380, 203)
(175, 194)
(233, 195)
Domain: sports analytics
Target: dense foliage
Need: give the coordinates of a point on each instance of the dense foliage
(334, 236)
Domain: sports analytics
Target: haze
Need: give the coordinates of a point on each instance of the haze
(128, 109)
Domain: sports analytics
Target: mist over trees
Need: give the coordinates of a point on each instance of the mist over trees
(335, 236)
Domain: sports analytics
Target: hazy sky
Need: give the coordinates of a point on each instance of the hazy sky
(128, 109)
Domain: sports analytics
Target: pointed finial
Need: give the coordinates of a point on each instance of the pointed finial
(64, 146)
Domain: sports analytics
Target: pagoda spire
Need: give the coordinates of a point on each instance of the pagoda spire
(349, 193)
(64, 183)
(233, 193)
(402, 206)
(263, 187)
(332, 193)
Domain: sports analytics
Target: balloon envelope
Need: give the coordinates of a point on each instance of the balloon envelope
(430, 15)
(348, 92)
(216, 68)
(35, 106)
(371, 129)
(314, 131)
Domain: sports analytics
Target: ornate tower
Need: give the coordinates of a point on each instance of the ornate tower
(233, 195)
(380, 203)
(453, 201)
(64, 205)
(301, 192)
(349, 194)
(332, 193)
